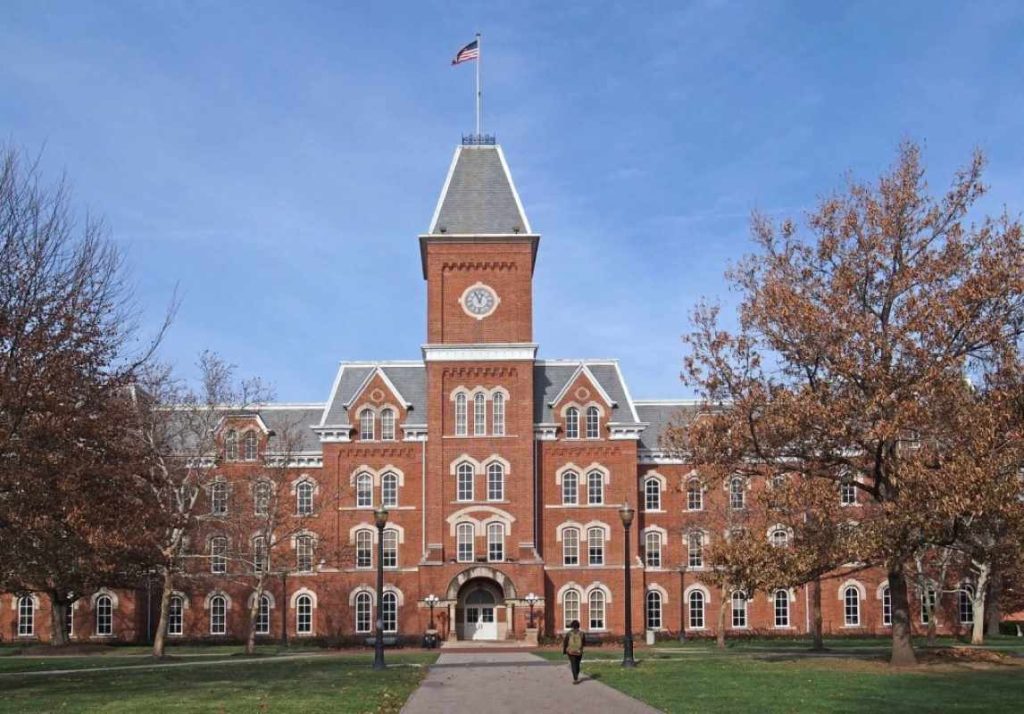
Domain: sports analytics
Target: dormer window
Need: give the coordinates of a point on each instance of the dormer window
(572, 423)
(231, 445)
(387, 424)
(250, 444)
(593, 423)
(366, 424)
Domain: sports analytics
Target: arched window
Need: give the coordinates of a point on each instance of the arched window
(739, 609)
(390, 548)
(694, 495)
(231, 446)
(571, 546)
(364, 490)
(928, 600)
(965, 605)
(595, 546)
(696, 610)
(389, 611)
(737, 494)
(886, 606)
(570, 607)
(781, 608)
(387, 424)
(780, 538)
(572, 423)
(652, 494)
(219, 498)
(304, 498)
(263, 616)
(261, 493)
(104, 615)
(460, 414)
(653, 610)
(176, 615)
(364, 548)
(464, 473)
(851, 606)
(695, 549)
(464, 538)
(595, 488)
(570, 488)
(366, 419)
(652, 550)
(304, 553)
(498, 414)
(495, 482)
(363, 612)
(249, 446)
(596, 609)
(593, 423)
(305, 546)
(496, 542)
(26, 617)
(479, 414)
(304, 614)
(218, 615)
(260, 555)
(389, 490)
(218, 555)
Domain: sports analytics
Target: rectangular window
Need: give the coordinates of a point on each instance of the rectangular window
(593, 423)
(652, 550)
(389, 613)
(739, 610)
(595, 546)
(570, 608)
(927, 605)
(597, 610)
(886, 607)
(965, 604)
(694, 496)
(263, 616)
(847, 493)
(464, 539)
(498, 414)
(260, 556)
(363, 612)
(175, 624)
(364, 549)
(496, 542)
(261, 498)
(570, 547)
(219, 498)
(479, 415)
(304, 554)
(390, 548)
(495, 482)
(219, 555)
(695, 550)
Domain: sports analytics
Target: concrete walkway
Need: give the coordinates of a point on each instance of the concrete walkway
(500, 682)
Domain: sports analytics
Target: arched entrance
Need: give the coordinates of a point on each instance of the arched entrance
(482, 598)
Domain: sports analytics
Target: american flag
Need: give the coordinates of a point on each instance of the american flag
(467, 53)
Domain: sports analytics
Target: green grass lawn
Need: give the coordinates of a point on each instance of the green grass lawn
(330, 683)
(742, 683)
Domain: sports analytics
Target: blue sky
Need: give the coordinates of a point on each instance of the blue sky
(277, 161)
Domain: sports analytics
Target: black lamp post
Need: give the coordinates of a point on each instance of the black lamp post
(380, 517)
(531, 600)
(626, 513)
(431, 601)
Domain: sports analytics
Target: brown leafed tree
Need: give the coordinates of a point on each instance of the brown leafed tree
(852, 333)
(70, 463)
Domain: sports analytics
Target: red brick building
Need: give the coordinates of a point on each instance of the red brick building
(502, 474)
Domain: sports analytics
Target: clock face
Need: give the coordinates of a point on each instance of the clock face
(479, 300)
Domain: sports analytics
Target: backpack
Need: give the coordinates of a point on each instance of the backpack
(574, 645)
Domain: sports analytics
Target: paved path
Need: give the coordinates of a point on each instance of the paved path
(510, 682)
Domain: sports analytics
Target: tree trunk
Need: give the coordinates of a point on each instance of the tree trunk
(978, 604)
(818, 643)
(160, 637)
(254, 611)
(993, 612)
(902, 646)
(58, 621)
(932, 624)
(720, 636)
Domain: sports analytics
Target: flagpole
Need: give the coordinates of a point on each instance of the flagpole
(479, 61)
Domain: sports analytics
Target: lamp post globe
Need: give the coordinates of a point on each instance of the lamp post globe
(626, 513)
(380, 517)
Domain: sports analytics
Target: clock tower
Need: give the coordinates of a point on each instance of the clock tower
(478, 258)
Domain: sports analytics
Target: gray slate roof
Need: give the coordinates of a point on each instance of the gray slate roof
(296, 420)
(661, 415)
(409, 379)
(549, 379)
(479, 198)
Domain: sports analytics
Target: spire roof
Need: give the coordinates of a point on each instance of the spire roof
(479, 197)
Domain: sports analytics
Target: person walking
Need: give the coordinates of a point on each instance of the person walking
(572, 646)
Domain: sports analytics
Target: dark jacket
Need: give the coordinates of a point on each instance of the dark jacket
(565, 642)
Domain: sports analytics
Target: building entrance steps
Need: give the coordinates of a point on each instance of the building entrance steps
(511, 683)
